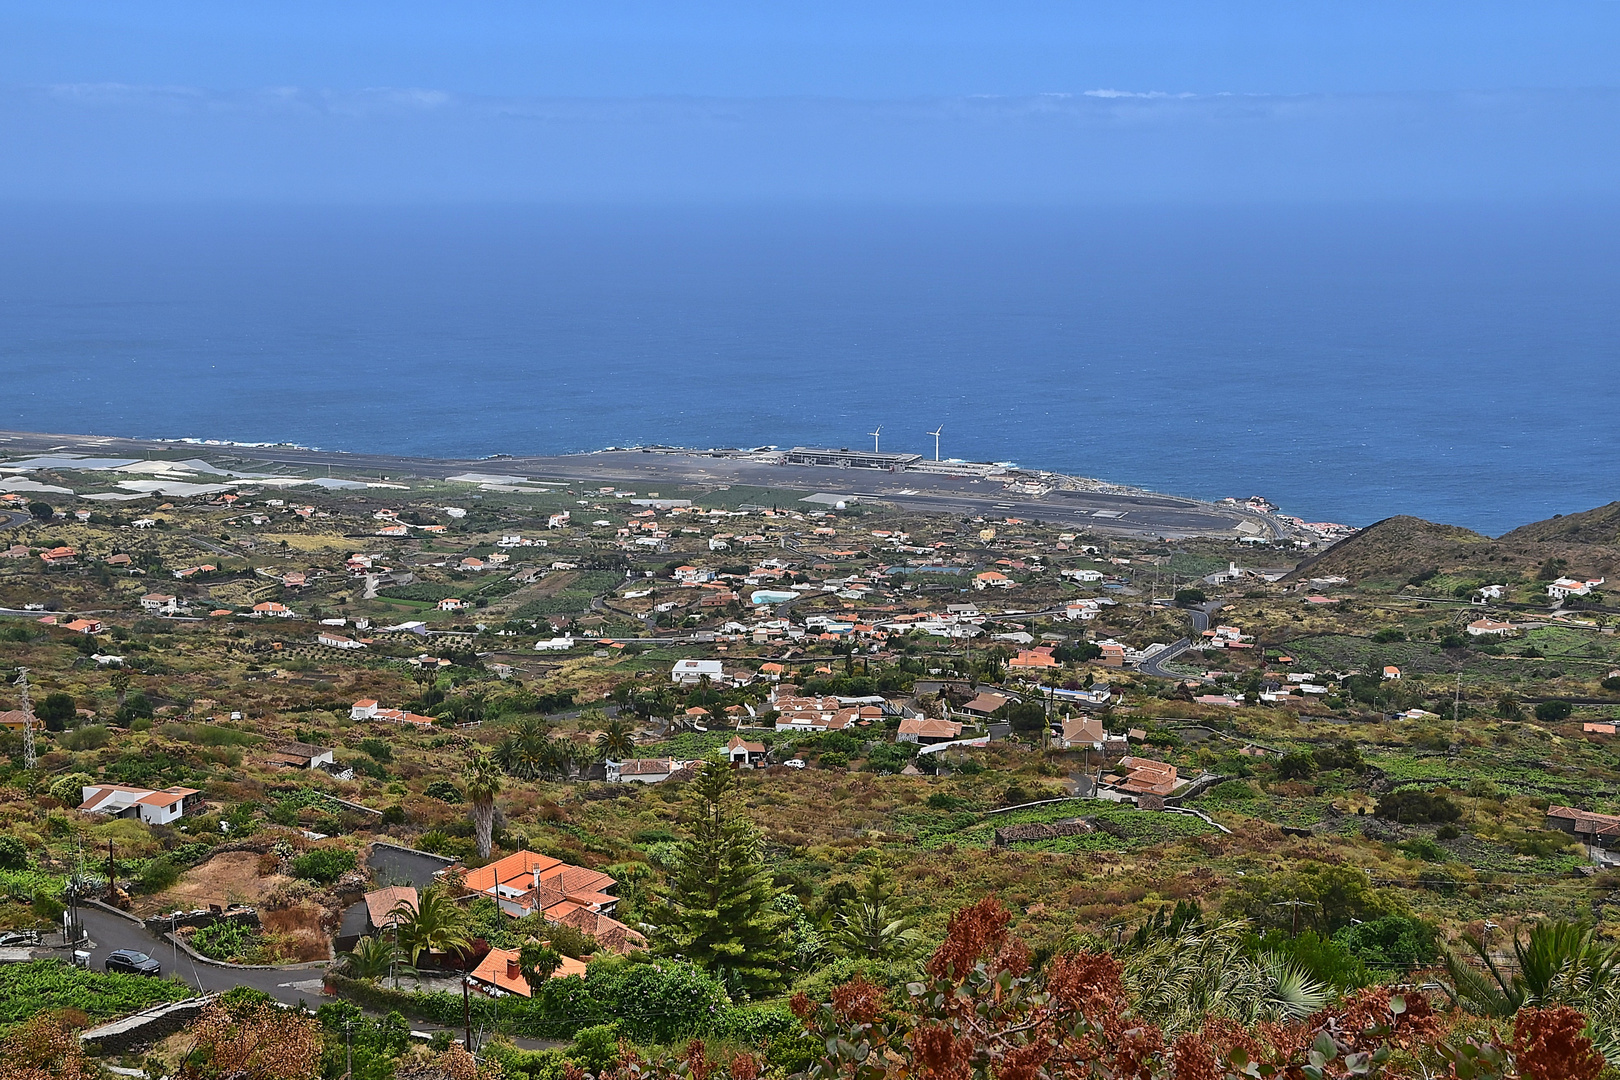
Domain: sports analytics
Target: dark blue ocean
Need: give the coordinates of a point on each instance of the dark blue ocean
(1461, 364)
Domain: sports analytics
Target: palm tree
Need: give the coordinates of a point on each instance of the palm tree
(615, 740)
(481, 780)
(1560, 962)
(435, 924)
(120, 683)
(526, 751)
(538, 962)
(1179, 978)
(869, 926)
(372, 958)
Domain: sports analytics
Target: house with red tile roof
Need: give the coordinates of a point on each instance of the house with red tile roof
(744, 754)
(1144, 776)
(382, 906)
(1594, 830)
(525, 882)
(926, 731)
(500, 974)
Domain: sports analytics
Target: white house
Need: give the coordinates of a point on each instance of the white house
(693, 575)
(1493, 592)
(639, 771)
(691, 672)
(337, 641)
(744, 754)
(151, 807)
(1564, 586)
(160, 603)
(1081, 573)
(1491, 627)
(451, 603)
(1082, 733)
(992, 579)
(556, 644)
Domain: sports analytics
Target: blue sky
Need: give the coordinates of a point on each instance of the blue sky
(934, 101)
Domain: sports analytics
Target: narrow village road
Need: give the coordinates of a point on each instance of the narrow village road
(1200, 622)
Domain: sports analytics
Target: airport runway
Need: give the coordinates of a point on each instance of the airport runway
(1133, 513)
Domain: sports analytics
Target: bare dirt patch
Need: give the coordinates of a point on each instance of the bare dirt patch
(228, 878)
(301, 930)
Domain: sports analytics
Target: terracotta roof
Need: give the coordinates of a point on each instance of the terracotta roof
(927, 728)
(499, 969)
(380, 903)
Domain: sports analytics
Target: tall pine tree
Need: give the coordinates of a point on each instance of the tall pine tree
(719, 913)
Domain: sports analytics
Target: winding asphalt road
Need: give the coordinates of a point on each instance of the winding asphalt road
(1154, 665)
(107, 932)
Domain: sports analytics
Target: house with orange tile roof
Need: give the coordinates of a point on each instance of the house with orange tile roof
(992, 579)
(1028, 659)
(17, 720)
(500, 974)
(83, 626)
(58, 556)
(744, 754)
(383, 906)
(271, 609)
(1593, 830)
(1144, 776)
(526, 882)
(926, 731)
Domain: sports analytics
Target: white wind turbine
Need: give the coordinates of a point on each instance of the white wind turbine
(935, 434)
(875, 435)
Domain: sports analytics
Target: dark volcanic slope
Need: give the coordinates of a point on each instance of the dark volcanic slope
(1399, 547)
(1600, 526)
(1396, 547)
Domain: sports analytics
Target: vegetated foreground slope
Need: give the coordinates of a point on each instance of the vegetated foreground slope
(1399, 547)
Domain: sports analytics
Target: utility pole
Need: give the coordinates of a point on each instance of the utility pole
(112, 872)
(466, 1010)
(29, 759)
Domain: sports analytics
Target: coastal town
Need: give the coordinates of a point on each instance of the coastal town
(444, 746)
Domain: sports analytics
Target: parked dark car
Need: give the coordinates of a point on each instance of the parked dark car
(130, 962)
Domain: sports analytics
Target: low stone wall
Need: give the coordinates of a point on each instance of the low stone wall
(146, 1027)
(162, 924)
(1017, 834)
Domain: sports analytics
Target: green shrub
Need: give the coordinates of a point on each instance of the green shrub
(377, 750)
(323, 865)
(159, 874)
(1391, 943)
(1324, 959)
(1413, 807)
(444, 791)
(596, 1048)
(1553, 711)
(1421, 847)
(13, 854)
